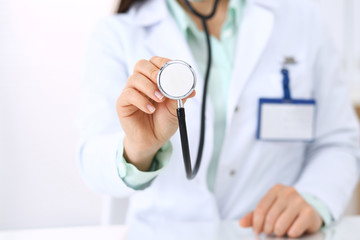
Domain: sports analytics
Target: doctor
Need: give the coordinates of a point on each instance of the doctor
(284, 186)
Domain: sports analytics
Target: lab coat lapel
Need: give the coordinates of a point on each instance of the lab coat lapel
(254, 34)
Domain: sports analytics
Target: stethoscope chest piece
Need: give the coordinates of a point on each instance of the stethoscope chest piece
(176, 80)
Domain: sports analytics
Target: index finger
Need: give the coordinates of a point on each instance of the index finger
(147, 69)
(246, 221)
(159, 61)
(262, 209)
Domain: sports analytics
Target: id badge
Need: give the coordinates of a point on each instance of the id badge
(286, 119)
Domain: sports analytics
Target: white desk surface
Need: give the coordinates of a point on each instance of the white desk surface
(346, 229)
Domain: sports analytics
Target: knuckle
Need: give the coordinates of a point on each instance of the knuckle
(159, 60)
(277, 187)
(155, 59)
(291, 189)
(280, 228)
(139, 64)
(289, 192)
(299, 201)
(132, 79)
(137, 81)
(128, 93)
(278, 231)
(267, 229)
(164, 60)
(153, 74)
(309, 211)
(293, 234)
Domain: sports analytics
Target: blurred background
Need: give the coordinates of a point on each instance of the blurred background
(42, 48)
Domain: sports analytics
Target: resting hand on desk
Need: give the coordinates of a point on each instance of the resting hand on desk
(283, 211)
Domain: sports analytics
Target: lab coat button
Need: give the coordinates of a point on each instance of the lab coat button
(236, 109)
(232, 172)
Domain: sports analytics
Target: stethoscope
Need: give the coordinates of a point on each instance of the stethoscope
(177, 80)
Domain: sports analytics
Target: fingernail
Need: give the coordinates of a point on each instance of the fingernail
(150, 108)
(159, 95)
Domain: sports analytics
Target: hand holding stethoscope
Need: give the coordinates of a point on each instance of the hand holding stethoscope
(176, 80)
(147, 117)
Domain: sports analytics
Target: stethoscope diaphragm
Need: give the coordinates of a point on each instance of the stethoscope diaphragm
(176, 80)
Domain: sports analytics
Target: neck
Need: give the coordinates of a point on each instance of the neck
(205, 7)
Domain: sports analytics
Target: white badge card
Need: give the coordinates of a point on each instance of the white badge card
(286, 120)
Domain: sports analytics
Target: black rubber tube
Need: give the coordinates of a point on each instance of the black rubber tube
(191, 173)
(199, 15)
(185, 143)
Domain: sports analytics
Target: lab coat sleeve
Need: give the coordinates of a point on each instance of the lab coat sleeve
(140, 180)
(104, 77)
(332, 167)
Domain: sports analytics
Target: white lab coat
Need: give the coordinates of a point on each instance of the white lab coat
(271, 29)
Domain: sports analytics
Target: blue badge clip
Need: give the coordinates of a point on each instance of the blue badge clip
(286, 79)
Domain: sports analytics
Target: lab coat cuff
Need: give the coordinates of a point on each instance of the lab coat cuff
(320, 207)
(140, 180)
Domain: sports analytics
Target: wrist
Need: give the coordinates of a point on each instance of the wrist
(140, 156)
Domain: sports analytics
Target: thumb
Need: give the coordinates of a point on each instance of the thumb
(246, 221)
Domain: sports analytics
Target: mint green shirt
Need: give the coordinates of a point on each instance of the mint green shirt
(222, 66)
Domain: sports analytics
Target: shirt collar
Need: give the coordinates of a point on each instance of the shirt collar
(235, 10)
(186, 24)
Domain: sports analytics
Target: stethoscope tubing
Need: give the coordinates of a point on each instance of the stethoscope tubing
(191, 173)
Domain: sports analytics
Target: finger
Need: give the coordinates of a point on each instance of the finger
(307, 221)
(285, 220)
(159, 61)
(132, 97)
(246, 221)
(263, 207)
(147, 69)
(146, 86)
(190, 96)
(274, 212)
